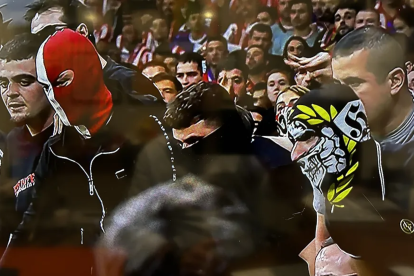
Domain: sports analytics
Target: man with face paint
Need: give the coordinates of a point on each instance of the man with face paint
(334, 148)
(84, 170)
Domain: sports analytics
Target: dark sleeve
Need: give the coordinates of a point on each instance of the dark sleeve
(127, 85)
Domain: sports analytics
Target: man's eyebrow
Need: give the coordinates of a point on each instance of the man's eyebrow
(23, 76)
(351, 80)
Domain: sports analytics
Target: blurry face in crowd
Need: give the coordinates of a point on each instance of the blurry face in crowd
(410, 77)
(287, 99)
(255, 59)
(129, 34)
(344, 21)
(216, 52)
(188, 74)
(167, 89)
(233, 81)
(246, 8)
(171, 64)
(168, 6)
(160, 29)
(151, 71)
(318, 7)
(275, 84)
(366, 18)
(402, 28)
(265, 18)
(22, 95)
(284, 10)
(299, 16)
(263, 40)
(195, 22)
(296, 48)
(261, 100)
(376, 95)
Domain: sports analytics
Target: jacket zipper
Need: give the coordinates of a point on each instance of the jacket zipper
(92, 187)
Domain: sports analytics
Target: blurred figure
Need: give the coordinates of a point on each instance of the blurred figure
(388, 11)
(158, 34)
(168, 86)
(318, 8)
(193, 40)
(410, 77)
(301, 18)
(216, 51)
(284, 13)
(163, 54)
(236, 33)
(133, 51)
(404, 22)
(189, 69)
(256, 61)
(260, 96)
(233, 75)
(260, 35)
(267, 16)
(277, 81)
(153, 68)
(367, 17)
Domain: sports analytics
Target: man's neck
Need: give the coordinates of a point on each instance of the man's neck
(196, 35)
(286, 23)
(39, 125)
(303, 32)
(402, 110)
(257, 77)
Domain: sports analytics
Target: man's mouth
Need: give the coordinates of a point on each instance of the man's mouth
(15, 106)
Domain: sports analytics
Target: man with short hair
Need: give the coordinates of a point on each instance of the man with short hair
(267, 16)
(216, 51)
(193, 40)
(256, 60)
(189, 69)
(168, 86)
(260, 35)
(153, 68)
(260, 96)
(367, 17)
(301, 18)
(372, 63)
(345, 18)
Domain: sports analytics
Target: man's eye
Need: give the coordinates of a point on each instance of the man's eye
(25, 83)
(192, 74)
(3, 84)
(237, 80)
(180, 75)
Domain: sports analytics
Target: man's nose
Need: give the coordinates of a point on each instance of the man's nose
(12, 90)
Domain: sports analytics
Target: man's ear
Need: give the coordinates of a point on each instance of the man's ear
(396, 79)
(65, 78)
(82, 29)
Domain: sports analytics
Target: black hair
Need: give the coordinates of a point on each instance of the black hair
(219, 38)
(287, 71)
(74, 12)
(308, 3)
(192, 8)
(261, 28)
(271, 11)
(189, 57)
(165, 76)
(21, 47)
(406, 14)
(348, 4)
(259, 86)
(307, 50)
(234, 62)
(204, 100)
(379, 43)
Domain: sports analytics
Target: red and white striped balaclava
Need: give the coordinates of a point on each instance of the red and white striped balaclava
(85, 103)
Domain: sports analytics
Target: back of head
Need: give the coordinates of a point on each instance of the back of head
(21, 47)
(385, 53)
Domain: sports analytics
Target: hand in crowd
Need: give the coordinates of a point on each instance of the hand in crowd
(317, 68)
